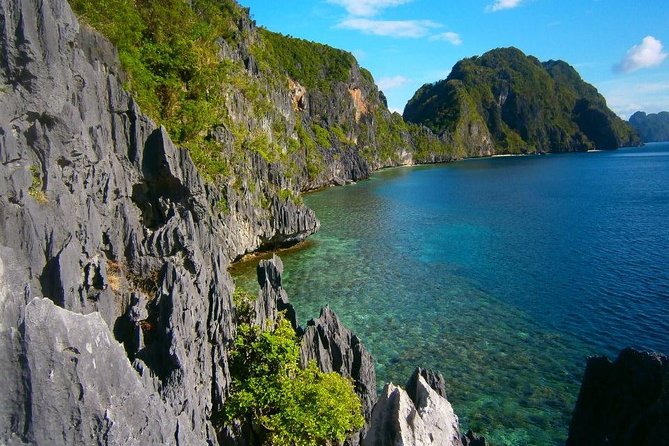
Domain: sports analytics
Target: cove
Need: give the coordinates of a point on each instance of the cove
(504, 274)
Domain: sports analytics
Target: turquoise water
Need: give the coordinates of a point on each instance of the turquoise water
(502, 273)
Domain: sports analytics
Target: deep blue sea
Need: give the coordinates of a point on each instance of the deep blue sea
(502, 273)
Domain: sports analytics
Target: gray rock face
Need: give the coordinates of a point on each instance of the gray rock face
(82, 383)
(623, 402)
(108, 218)
(397, 421)
(434, 379)
(272, 298)
(336, 349)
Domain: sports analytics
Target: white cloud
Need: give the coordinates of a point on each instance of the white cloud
(393, 28)
(645, 55)
(367, 8)
(449, 36)
(392, 82)
(503, 4)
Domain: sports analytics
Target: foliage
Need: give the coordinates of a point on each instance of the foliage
(314, 65)
(314, 157)
(36, 189)
(339, 133)
(290, 195)
(293, 406)
(525, 105)
(243, 302)
(170, 52)
(322, 136)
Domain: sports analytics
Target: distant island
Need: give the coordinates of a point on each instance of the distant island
(507, 102)
(653, 127)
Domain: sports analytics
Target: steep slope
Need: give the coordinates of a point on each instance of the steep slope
(653, 127)
(507, 102)
(101, 214)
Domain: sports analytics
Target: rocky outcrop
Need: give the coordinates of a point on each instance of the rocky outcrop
(623, 402)
(325, 340)
(272, 299)
(433, 379)
(398, 420)
(82, 386)
(336, 349)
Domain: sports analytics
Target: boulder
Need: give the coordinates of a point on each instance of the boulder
(398, 421)
(623, 402)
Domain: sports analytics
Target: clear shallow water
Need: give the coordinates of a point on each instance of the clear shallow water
(503, 274)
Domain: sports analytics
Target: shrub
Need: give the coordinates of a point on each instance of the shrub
(292, 406)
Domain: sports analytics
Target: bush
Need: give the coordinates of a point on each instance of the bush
(292, 406)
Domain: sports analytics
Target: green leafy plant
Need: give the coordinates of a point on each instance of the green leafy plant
(290, 405)
(36, 189)
(314, 65)
(170, 53)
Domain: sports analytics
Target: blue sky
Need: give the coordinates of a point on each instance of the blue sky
(620, 46)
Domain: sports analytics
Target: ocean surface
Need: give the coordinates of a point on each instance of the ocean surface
(502, 273)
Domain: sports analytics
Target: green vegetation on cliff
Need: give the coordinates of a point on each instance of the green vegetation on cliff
(505, 101)
(653, 127)
(233, 93)
(288, 404)
(314, 65)
(170, 53)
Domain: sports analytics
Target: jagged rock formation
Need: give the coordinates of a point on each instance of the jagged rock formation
(272, 298)
(623, 402)
(107, 217)
(433, 379)
(325, 340)
(507, 102)
(653, 127)
(400, 421)
(68, 392)
(336, 349)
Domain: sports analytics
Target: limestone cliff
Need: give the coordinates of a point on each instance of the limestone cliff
(103, 215)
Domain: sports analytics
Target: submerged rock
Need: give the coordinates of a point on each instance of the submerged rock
(625, 402)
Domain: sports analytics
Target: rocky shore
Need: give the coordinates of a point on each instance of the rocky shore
(115, 300)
